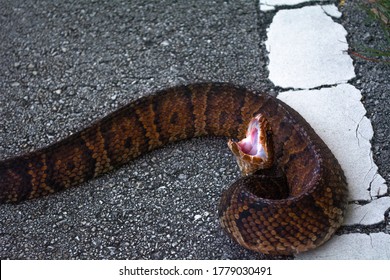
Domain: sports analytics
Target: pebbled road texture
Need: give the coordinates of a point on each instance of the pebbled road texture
(64, 64)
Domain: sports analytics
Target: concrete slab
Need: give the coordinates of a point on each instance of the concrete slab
(268, 5)
(307, 49)
(338, 117)
(374, 246)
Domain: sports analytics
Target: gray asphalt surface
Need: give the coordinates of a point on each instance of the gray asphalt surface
(64, 64)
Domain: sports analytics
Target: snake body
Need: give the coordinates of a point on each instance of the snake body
(266, 212)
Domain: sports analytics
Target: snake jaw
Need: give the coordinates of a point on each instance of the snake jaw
(255, 151)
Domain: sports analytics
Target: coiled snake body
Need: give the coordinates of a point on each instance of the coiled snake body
(293, 205)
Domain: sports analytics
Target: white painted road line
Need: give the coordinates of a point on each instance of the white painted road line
(374, 246)
(269, 5)
(307, 50)
(338, 117)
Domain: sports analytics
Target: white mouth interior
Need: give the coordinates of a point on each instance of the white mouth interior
(251, 144)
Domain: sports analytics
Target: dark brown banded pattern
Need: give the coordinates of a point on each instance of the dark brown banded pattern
(276, 222)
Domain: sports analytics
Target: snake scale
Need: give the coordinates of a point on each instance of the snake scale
(292, 205)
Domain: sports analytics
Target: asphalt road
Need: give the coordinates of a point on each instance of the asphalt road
(64, 64)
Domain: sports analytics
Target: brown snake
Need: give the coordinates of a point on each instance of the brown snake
(294, 203)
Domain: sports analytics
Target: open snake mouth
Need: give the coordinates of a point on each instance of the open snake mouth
(253, 143)
(255, 151)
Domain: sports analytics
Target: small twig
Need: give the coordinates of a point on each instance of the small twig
(352, 52)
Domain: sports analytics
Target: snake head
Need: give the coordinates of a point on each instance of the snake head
(255, 151)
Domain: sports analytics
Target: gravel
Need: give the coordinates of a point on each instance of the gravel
(64, 64)
(372, 79)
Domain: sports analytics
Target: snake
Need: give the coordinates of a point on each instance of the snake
(292, 194)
